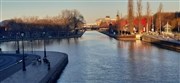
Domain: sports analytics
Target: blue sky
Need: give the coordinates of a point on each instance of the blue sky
(90, 9)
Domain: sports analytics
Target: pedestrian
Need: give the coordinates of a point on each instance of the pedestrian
(45, 60)
(39, 60)
(0, 50)
(49, 66)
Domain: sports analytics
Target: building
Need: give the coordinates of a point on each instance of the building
(105, 22)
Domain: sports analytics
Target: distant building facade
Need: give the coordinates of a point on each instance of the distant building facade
(121, 24)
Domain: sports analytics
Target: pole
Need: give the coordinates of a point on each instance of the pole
(44, 49)
(160, 25)
(18, 51)
(18, 46)
(152, 25)
(31, 46)
(44, 46)
(147, 28)
(24, 67)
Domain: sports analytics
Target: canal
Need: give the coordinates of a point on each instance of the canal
(96, 58)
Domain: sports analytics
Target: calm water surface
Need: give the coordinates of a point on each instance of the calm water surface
(96, 58)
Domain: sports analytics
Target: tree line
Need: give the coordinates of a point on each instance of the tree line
(66, 21)
(154, 22)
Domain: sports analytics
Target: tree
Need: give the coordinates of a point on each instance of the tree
(130, 15)
(158, 19)
(78, 19)
(66, 17)
(117, 22)
(148, 16)
(68, 20)
(139, 9)
(72, 19)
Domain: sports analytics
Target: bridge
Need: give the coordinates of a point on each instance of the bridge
(91, 26)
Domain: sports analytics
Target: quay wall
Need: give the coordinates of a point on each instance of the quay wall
(55, 72)
(161, 43)
(37, 72)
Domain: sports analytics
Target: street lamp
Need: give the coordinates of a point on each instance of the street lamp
(23, 61)
(152, 25)
(31, 42)
(44, 33)
(31, 46)
(17, 51)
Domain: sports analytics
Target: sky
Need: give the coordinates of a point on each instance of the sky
(90, 9)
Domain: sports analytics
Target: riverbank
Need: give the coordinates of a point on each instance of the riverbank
(6, 39)
(122, 37)
(39, 72)
(108, 34)
(162, 42)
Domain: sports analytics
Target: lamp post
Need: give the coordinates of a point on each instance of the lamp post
(152, 29)
(32, 46)
(23, 60)
(17, 51)
(44, 33)
(31, 42)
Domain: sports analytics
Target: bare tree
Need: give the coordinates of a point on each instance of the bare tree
(148, 17)
(72, 19)
(139, 12)
(66, 17)
(130, 15)
(159, 18)
(68, 20)
(77, 19)
(117, 22)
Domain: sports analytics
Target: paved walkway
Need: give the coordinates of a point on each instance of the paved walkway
(7, 60)
(13, 63)
(165, 39)
(38, 72)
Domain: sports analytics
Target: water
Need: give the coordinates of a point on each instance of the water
(96, 58)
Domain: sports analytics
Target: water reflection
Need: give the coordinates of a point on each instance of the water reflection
(96, 58)
(150, 64)
(36, 44)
